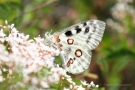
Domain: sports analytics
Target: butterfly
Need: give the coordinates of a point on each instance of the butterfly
(76, 42)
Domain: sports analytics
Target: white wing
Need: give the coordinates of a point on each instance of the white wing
(77, 42)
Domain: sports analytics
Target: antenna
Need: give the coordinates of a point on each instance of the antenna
(53, 27)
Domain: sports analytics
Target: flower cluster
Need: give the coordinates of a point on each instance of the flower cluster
(29, 64)
(84, 86)
(27, 57)
(121, 12)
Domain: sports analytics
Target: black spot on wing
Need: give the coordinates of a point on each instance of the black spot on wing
(84, 24)
(78, 30)
(68, 33)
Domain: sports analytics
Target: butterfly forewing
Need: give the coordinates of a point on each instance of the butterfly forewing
(77, 42)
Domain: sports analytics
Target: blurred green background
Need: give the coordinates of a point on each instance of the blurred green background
(113, 62)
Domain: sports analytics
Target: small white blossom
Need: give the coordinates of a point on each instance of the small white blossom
(1, 78)
(4, 69)
(84, 82)
(92, 84)
(89, 86)
(120, 11)
(4, 26)
(97, 86)
(12, 25)
(34, 81)
(2, 33)
(6, 22)
(44, 84)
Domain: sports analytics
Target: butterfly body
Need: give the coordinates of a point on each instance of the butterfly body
(76, 43)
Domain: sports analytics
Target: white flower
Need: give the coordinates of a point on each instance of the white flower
(97, 86)
(34, 80)
(44, 84)
(6, 22)
(14, 30)
(89, 86)
(1, 78)
(92, 84)
(12, 26)
(80, 88)
(2, 34)
(84, 82)
(4, 69)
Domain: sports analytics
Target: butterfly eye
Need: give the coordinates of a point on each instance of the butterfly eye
(78, 53)
(87, 30)
(70, 41)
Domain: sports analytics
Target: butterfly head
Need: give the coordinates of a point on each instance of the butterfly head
(49, 39)
(52, 40)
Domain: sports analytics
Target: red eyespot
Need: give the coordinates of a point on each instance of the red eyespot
(70, 62)
(57, 38)
(87, 30)
(70, 41)
(78, 53)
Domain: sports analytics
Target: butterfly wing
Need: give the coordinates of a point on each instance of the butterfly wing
(77, 42)
(76, 58)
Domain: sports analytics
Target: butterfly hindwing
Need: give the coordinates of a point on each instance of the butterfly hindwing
(77, 42)
(77, 59)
